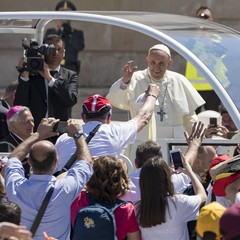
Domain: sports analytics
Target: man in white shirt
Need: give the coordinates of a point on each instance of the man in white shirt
(110, 138)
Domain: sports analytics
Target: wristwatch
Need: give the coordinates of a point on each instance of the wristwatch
(78, 134)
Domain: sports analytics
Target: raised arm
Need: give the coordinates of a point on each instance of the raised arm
(194, 141)
(144, 114)
(197, 185)
(75, 131)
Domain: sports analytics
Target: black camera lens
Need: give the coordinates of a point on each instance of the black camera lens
(35, 64)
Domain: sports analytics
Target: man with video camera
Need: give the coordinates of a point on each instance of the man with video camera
(48, 89)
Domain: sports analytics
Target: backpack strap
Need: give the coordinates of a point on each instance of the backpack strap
(73, 158)
(111, 207)
(118, 203)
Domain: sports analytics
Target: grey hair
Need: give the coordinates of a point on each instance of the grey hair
(17, 115)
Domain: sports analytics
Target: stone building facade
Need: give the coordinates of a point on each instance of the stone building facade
(108, 48)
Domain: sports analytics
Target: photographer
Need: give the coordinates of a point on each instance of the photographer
(50, 92)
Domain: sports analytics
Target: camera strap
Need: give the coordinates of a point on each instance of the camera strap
(73, 158)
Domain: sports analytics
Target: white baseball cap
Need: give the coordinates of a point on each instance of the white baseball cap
(161, 47)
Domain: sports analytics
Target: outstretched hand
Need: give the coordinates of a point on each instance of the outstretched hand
(197, 134)
(128, 71)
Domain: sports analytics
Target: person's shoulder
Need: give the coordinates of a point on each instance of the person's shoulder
(7, 138)
(64, 70)
(63, 139)
(173, 74)
(127, 206)
(77, 32)
(140, 74)
(180, 198)
(67, 74)
(3, 110)
(118, 125)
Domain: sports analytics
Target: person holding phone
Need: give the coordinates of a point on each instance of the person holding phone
(150, 149)
(161, 213)
(227, 129)
(176, 158)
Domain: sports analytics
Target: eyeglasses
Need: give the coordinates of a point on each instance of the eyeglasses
(60, 50)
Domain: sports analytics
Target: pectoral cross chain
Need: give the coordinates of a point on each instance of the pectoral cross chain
(161, 113)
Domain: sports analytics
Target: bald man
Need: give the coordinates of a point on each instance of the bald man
(204, 157)
(29, 193)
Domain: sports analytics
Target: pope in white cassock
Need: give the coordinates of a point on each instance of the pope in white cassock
(175, 107)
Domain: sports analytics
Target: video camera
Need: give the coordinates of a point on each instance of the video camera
(34, 54)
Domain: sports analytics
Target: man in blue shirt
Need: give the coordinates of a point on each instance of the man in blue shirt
(29, 193)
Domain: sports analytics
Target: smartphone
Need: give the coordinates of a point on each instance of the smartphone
(213, 121)
(176, 158)
(60, 127)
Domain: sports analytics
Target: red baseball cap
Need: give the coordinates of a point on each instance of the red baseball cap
(13, 110)
(96, 105)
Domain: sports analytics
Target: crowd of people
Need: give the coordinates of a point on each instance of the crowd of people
(71, 183)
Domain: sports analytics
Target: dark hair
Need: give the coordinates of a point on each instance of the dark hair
(10, 212)
(202, 8)
(201, 13)
(53, 38)
(222, 109)
(155, 187)
(96, 116)
(109, 180)
(65, 5)
(147, 150)
(45, 164)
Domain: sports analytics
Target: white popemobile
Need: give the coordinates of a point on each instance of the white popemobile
(210, 47)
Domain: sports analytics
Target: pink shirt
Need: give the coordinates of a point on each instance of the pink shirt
(124, 215)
